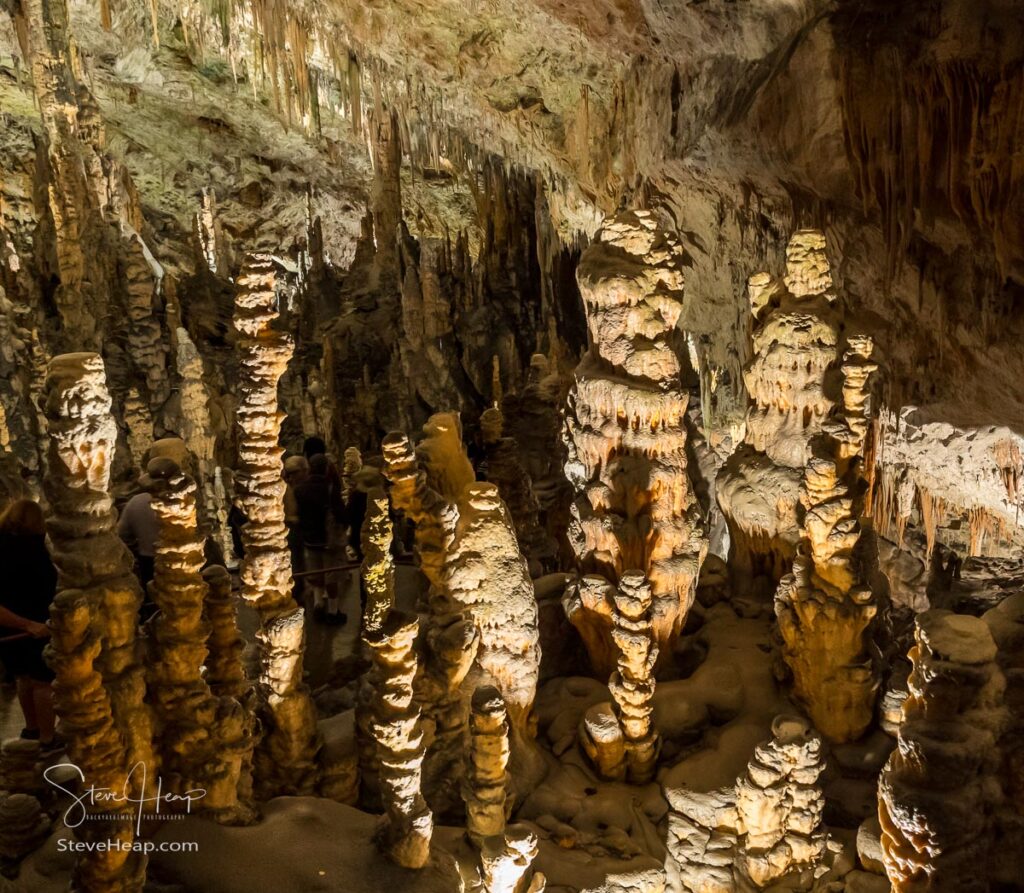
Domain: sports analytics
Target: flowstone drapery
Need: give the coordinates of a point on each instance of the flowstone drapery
(626, 435)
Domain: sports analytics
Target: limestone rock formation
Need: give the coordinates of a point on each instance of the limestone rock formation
(206, 741)
(224, 671)
(825, 606)
(626, 435)
(939, 789)
(795, 342)
(378, 566)
(285, 760)
(632, 684)
(408, 824)
(779, 805)
(486, 784)
(85, 547)
(506, 862)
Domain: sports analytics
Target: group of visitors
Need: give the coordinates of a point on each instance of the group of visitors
(323, 526)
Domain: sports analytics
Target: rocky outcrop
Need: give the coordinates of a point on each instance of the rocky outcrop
(795, 343)
(939, 788)
(285, 760)
(626, 436)
(395, 724)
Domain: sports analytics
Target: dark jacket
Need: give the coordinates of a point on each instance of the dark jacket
(314, 500)
(29, 578)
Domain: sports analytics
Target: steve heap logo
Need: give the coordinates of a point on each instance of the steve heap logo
(136, 791)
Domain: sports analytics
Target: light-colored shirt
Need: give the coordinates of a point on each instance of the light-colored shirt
(138, 525)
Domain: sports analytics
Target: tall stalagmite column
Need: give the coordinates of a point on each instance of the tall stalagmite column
(204, 740)
(485, 788)
(825, 606)
(99, 686)
(395, 724)
(796, 333)
(285, 761)
(626, 435)
(939, 789)
(87, 551)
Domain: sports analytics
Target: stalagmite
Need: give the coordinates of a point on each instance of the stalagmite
(794, 346)
(408, 824)
(285, 760)
(485, 788)
(824, 607)
(224, 672)
(506, 860)
(780, 804)
(350, 465)
(23, 826)
(94, 744)
(626, 434)
(939, 788)
(378, 567)
(632, 684)
(86, 549)
(205, 740)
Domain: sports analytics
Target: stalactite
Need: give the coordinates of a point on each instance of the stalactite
(625, 431)
(285, 759)
(409, 824)
(486, 785)
(933, 513)
(936, 792)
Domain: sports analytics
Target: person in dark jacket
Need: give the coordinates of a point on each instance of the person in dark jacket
(313, 503)
(28, 587)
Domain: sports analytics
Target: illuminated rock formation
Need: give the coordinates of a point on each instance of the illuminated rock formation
(824, 607)
(486, 575)
(94, 745)
(205, 741)
(84, 544)
(378, 568)
(779, 805)
(224, 672)
(285, 760)
(632, 684)
(794, 345)
(197, 430)
(395, 724)
(486, 784)
(506, 861)
(351, 463)
(626, 435)
(939, 788)
(602, 740)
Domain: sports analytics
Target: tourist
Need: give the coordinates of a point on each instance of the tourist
(138, 527)
(30, 583)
